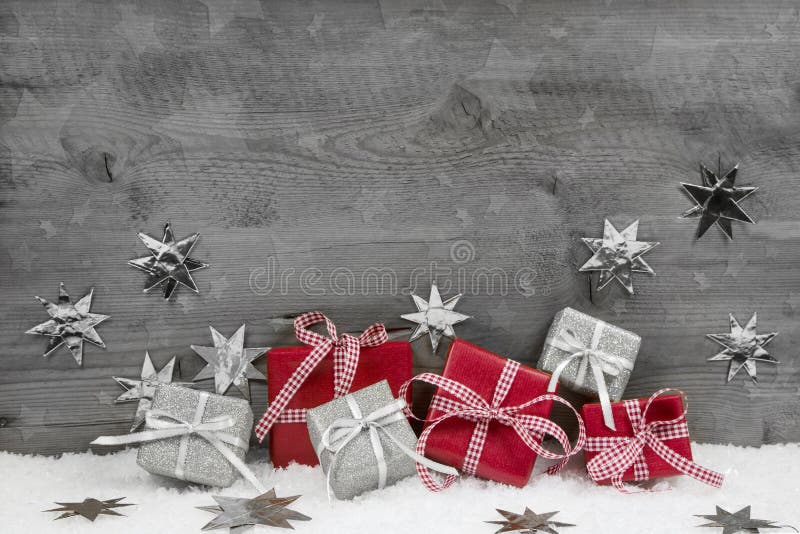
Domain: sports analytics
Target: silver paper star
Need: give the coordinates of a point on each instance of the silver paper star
(89, 508)
(169, 263)
(738, 522)
(436, 318)
(144, 389)
(743, 347)
(717, 201)
(229, 362)
(70, 324)
(617, 255)
(266, 509)
(528, 522)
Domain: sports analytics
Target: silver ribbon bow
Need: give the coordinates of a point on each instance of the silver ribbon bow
(164, 425)
(344, 430)
(590, 358)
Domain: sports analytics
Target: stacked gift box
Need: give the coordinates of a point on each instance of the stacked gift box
(344, 402)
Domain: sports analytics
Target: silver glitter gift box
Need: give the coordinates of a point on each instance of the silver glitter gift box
(589, 341)
(192, 457)
(356, 465)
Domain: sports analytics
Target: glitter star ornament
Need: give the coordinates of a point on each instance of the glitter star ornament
(89, 508)
(739, 522)
(717, 201)
(70, 324)
(143, 390)
(743, 347)
(169, 263)
(229, 362)
(434, 317)
(618, 255)
(267, 509)
(528, 522)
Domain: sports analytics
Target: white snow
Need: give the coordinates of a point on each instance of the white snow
(767, 478)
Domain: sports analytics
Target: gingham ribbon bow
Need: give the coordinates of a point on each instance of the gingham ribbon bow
(473, 407)
(618, 454)
(344, 430)
(163, 425)
(346, 350)
(590, 357)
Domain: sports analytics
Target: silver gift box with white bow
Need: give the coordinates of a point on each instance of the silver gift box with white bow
(582, 348)
(193, 457)
(344, 433)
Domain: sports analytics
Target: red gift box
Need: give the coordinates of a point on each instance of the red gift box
(663, 408)
(505, 457)
(289, 442)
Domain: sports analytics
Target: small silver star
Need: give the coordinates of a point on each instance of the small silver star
(434, 317)
(528, 522)
(743, 347)
(617, 255)
(70, 324)
(717, 201)
(90, 508)
(144, 389)
(169, 263)
(229, 362)
(738, 522)
(267, 509)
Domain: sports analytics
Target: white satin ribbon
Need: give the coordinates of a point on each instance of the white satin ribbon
(590, 358)
(164, 425)
(344, 430)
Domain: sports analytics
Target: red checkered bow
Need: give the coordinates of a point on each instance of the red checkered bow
(618, 454)
(472, 407)
(346, 350)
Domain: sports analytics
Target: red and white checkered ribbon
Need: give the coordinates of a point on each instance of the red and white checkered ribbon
(346, 350)
(468, 405)
(618, 454)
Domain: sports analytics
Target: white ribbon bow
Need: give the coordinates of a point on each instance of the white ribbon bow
(599, 361)
(165, 425)
(344, 430)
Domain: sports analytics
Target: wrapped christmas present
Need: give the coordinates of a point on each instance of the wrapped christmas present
(651, 440)
(324, 368)
(488, 417)
(590, 357)
(364, 441)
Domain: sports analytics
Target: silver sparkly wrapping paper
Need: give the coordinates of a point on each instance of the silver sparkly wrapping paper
(204, 463)
(614, 340)
(357, 467)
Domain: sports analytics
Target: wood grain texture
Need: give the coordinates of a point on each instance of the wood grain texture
(473, 142)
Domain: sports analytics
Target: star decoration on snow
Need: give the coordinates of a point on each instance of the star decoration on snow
(169, 263)
(69, 324)
(528, 522)
(717, 201)
(434, 317)
(738, 522)
(144, 389)
(266, 509)
(89, 508)
(229, 362)
(743, 347)
(618, 255)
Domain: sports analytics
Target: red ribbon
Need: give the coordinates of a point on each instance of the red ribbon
(471, 406)
(618, 454)
(346, 351)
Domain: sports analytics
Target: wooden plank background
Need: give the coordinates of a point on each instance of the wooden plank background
(412, 135)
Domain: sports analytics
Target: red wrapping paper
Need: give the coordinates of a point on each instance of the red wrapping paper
(505, 457)
(664, 408)
(289, 442)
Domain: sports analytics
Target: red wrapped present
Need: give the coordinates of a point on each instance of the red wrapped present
(488, 418)
(304, 377)
(651, 441)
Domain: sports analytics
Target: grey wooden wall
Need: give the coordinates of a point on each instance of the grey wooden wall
(353, 136)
